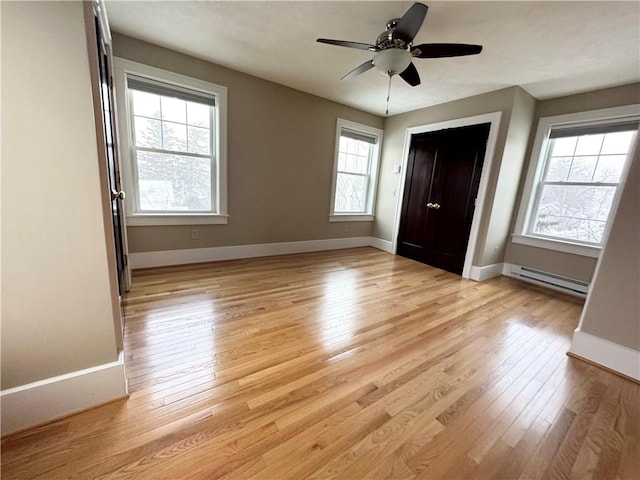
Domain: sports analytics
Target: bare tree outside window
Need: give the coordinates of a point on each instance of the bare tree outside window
(173, 153)
(354, 159)
(582, 174)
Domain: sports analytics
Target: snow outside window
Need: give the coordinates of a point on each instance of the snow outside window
(173, 146)
(579, 172)
(355, 171)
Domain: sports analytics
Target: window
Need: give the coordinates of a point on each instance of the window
(581, 165)
(355, 175)
(174, 150)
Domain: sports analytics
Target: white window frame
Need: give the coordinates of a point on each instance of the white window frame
(368, 215)
(123, 68)
(536, 171)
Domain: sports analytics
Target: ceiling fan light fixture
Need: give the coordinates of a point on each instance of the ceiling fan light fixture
(392, 61)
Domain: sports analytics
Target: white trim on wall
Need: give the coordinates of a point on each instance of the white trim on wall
(618, 358)
(480, 274)
(494, 120)
(47, 400)
(214, 254)
(380, 244)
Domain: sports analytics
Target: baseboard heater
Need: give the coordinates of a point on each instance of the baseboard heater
(551, 280)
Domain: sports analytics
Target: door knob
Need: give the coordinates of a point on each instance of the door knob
(433, 205)
(117, 195)
(429, 205)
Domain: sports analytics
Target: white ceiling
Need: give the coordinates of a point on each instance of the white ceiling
(548, 48)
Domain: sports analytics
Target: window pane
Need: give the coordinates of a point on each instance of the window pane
(199, 140)
(573, 212)
(589, 144)
(148, 132)
(174, 136)
(198, 114)
(558, 169)
(173, 182)
(564, 146)
(146, 104)
(174, 110)
(618, 142)
(353, 163)
(590, 231)
(353, 156)
(351, 193)
(342, 146)
(362, 165)
(342, 161)
(582, 169)
(363, 149)
(609, 169)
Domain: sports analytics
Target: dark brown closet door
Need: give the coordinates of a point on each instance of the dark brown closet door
(443, 175)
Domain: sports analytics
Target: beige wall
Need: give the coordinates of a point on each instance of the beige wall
(56, 307)
(573, 266)
(612, 310)
(280, 159)
(510, 168)
(508, 159)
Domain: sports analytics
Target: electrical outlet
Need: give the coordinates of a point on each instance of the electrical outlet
(195, 234)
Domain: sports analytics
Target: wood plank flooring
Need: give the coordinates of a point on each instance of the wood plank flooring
(347, 364)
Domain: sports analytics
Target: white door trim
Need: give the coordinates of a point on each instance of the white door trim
(494, 120)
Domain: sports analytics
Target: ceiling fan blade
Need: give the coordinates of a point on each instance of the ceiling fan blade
(410, 75)
(344, 43)
(408, 26)
(440, 50)
(368, 65)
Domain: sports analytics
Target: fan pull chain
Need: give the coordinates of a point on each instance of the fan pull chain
(388, 95)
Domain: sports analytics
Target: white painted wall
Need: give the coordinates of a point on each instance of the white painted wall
(57, 314)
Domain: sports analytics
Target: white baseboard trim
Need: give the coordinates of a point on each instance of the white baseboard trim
(618, 358)
(506, 269)
(380, 244)
(479, 274)
(214, 254)
(46, 400)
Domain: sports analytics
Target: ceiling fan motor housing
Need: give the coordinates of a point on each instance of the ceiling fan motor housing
(387, 39)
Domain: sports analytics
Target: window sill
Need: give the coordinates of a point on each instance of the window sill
(142, 220)
(558, 245)
(351, 218)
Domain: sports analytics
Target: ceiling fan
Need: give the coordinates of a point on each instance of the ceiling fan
(395, 51)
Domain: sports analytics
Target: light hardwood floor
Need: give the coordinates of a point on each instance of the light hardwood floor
(346, 364)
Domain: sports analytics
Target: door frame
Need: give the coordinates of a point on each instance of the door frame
(494, 120)
(92, 10)
(101, 14)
